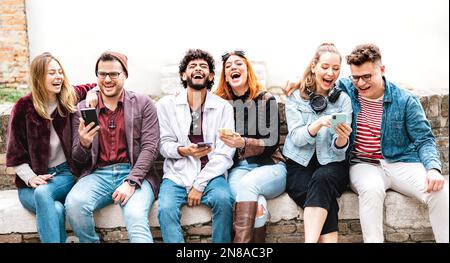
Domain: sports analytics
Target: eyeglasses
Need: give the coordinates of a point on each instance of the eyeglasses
(112, 75)
(365, 77)
(238, 52)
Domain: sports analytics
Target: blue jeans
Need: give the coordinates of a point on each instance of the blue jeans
(94, 192)
(216, 195)
(46, 201)
(255, 182)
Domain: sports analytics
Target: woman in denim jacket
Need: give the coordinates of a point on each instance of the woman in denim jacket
(259, 171)
(317, 172)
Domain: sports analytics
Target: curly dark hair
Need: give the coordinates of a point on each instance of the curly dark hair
(364, 53)
(193, 54)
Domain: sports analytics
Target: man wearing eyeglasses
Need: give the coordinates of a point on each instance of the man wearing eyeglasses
(116, 156)
(196, 159)
(393, 147)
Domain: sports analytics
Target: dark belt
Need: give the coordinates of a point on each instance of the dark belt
(356, 160)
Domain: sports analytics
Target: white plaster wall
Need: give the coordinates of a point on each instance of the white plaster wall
(413, 34)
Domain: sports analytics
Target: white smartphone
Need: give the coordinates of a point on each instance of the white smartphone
(336, 119)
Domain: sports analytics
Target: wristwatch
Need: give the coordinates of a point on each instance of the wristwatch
(131, 183)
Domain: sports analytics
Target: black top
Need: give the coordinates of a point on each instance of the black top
(257, 119)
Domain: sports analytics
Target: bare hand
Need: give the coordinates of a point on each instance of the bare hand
(195, 151)
(91, 99)
(343, 131)
(39, 179)
(290, 87)
(86, 133)
(123, 193)
(235, 140)
(194, 197)
(434, 181)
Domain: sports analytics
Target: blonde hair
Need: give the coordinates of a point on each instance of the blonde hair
(308, 81)
(67, 98)
(254, 86)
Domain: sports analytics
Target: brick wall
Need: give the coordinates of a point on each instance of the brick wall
(14, 56)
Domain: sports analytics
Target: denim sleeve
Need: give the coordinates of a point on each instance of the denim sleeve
(297, 126)
(420, 133)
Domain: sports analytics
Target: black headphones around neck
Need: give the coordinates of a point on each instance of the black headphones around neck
(319, 103)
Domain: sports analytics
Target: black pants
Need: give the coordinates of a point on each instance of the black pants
(318, 186)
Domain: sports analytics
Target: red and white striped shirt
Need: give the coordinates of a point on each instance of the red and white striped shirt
(367, 141)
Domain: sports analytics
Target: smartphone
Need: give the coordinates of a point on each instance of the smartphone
(89, 115)
(204, 144)
(226, 131)
(337, 118)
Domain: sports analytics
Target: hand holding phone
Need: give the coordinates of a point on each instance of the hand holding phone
(336, 119)
(89, 115)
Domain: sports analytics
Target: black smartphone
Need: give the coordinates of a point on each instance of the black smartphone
(89, 115)
(204, 144)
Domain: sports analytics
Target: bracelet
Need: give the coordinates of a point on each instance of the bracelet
(245, 143)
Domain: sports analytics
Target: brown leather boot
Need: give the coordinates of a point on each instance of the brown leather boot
(259, 235)
(243, 221)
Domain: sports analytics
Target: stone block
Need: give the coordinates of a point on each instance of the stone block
(444, 106)
(350, 238)
(291, 239)
(281, 229)
(283, 208)
(422, 236)
(349, 207)
(200, 230)
(396, 237)
(11, 238)
(115, 235)
(413, 214)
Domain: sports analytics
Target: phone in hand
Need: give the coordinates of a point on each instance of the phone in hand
(336, 119)
(204, 144)
(225, 131)
(89, 115)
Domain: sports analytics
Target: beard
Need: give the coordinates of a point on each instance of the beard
(206, 83)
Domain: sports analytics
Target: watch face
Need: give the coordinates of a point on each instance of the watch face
(131, 183)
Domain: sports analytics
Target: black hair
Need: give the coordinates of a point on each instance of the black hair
(193, 54)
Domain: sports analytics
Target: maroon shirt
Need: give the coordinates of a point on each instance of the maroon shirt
(196, 134)
(112, 139)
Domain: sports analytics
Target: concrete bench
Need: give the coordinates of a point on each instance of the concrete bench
(405, 220)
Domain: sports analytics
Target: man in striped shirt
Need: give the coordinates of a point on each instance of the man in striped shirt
(393, 147)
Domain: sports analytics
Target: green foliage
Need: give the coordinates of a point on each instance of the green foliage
(11, 94)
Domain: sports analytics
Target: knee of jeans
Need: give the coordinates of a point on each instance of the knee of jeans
(77, 203)
(221, 198)
(136, 215)
(42, 193)
(166, 210)
(247, 184)
(59, 208)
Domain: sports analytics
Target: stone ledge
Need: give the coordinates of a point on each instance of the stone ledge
(400, 212)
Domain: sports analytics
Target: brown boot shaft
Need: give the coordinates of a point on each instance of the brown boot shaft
(243, 221)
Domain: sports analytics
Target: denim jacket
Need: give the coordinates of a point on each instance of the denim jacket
(300, 145)
(406, 134)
